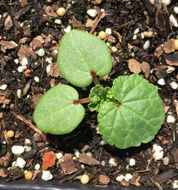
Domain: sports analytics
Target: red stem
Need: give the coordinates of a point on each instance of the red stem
(81, 101)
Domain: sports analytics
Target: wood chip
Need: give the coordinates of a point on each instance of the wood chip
(103, 179)
(2, 172)
(145, 68)
(67, 164)
(25, 51)
(159, 51)
(176, 155)
(89, 23)
(96, 2)
(37, 42)
(83, 158)
(135, 180)
(169, 46)
(6, 45)
(172, 59)
(134, 66)
(5, 97)
(50, 12)
(54, 72)
(111, 39)
(8, 23)
(49, 159)
(176, 106)
(23, 40)
(4, 160)
(23, 2)
(1, 115)
(36, 98)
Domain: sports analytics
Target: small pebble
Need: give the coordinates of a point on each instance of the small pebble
(84, 179)
(142, 36)
(57, 21)
(41, 52)
(3, 87)
(128, 177)
(17, 149)
(103, 163)
(46, 175)
(28, 175)
(20, 69)
(108, 31)
(61, 11)
(132, 162)
(20, 162)
(112, 162)
(48, 68)
(173, 20)
(10, 134)
(36, 79)
(176, 44)
(176, 10)
(174, 85)
(19, 93)
(27, 148)
(68, 29)
(134, 37)
(120, 178)
(170, 119)
(37, 166)
(92, 12)
(161, 82)
(102, 35)
(59, 155)
(24, 61)
(175, 184)
(166, 161)
(157, 152)
(103, 142)
(136, 31)
(146, 45)
(114, 49)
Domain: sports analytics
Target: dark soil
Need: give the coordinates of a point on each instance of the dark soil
(29, 19)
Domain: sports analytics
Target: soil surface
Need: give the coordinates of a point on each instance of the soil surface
(141, 37)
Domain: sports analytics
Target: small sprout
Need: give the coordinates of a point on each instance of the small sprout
(176, 44)
(28, 175)
(10, 134)
(84, 179)
(102, 35)
(61, 11)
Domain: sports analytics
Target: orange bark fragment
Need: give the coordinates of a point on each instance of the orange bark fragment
(165, 142)
(49, 159)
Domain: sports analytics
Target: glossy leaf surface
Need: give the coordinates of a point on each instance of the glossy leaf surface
(55, 112)
(137, 116)
(79, 54)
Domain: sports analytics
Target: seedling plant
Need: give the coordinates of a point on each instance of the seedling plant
(129, 113)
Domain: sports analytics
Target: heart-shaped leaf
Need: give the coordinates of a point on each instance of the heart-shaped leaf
(56, 112)
(137, 116)
(82, 54)
(98, 96)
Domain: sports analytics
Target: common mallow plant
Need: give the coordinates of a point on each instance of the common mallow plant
(129, 113)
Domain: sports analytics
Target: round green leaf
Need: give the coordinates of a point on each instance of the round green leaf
(56, 113)
(79, 54)
(137, 116)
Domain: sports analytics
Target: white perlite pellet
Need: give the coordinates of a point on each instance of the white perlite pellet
(16, 61)
(112, 162)
(36, 79)
(59, 155)
(103, 142)
(175, 184)
(19, 93)
(114, 49)
(27, 141)
(24, 61)
(17, 149)
(128, 177)
(108, 31)
(46, 175)
(132, 162)
(89, 154)
(57, 21)
(3, 87)
(103, 163)
(68, 29)
(76, 152)
(37, 166)
(176, 10)
(161, 82)
(157, 152)
(21, 68)
(20, 162)
(120, 178)
(92, 12)
(174, 85)
(173, 21)
(136, 31)
(41, 52)
(146, 45)
(27, 148)
(170, 119)
(48, 68)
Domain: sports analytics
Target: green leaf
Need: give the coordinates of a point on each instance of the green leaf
(56, 113)
(99, 95)
(137, 116)
(79, 54)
